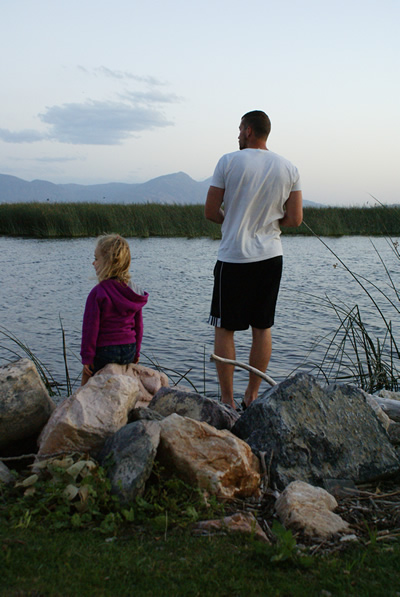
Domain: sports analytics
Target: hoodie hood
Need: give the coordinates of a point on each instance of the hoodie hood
(124, 297)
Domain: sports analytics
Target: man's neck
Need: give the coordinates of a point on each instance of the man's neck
(257, 144)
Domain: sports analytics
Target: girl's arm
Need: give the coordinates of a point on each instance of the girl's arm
(90, 328)
(139, 332)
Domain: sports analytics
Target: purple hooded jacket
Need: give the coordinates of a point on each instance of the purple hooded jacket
(113, 315)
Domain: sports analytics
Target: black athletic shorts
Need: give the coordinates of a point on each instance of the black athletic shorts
(245, 294)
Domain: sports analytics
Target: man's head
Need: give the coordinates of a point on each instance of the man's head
(255, 124)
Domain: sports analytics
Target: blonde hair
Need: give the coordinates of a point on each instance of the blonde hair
(117, 258)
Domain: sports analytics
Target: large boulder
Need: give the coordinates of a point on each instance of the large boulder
(310, 433)
(149, 380)
(214, 460)
(84, 421)
(25, 405)
(129, 456)
(190, 404)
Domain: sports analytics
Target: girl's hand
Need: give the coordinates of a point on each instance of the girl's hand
(86, 374)
(136, 360)
(87, 369)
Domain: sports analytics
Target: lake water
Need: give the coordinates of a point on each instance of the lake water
(45, 280)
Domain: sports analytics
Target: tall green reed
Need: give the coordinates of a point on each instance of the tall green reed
(71, 220)
(354, 353)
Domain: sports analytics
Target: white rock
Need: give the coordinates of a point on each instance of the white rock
(302, 506)
(150, 381)
(25, 405)
(88, 417)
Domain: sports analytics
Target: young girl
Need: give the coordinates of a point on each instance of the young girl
(112, 327)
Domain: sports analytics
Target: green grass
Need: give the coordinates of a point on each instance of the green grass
(44, 220)
(152, 550)
(71, 220)
(143, 563)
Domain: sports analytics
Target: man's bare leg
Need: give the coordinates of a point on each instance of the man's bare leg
(224, 346)
(260, 355)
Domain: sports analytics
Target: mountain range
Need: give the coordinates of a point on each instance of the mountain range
(178, 188)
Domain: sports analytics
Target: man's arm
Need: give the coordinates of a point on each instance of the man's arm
(293, 210)
(212, 210)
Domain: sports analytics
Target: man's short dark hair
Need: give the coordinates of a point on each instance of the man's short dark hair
(259, 122)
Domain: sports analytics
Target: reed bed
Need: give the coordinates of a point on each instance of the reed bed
(71, 220)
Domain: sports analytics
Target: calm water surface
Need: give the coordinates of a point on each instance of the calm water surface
(45, 280)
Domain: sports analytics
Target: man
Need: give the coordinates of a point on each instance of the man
(260, 191)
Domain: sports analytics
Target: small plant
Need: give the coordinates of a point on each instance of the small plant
(74, 492)
(286, 548)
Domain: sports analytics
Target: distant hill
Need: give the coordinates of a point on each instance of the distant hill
(178, 188)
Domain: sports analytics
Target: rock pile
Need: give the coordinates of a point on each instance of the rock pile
(298, 435)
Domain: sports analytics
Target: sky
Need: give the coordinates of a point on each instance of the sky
(126, 91)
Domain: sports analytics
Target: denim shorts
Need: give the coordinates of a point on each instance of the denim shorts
(122, 354)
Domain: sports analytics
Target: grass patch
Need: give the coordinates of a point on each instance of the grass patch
(139, 562)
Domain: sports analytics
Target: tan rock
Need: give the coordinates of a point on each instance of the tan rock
(304, 507)
(25, 405)
(240, 522)
(150, 381)
(88, 417)
(214, 460)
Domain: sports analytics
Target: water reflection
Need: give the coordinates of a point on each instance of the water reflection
(45, 280)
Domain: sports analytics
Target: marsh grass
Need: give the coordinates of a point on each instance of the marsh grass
(354, 353)
(73, 220)
(17, 349)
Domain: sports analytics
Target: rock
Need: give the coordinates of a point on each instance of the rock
(25, 405)
(307, 508)
(5, 474)
(88, 417)
(150, 381)
(394, 433)
(340, 487)
(143, 413)
(129, 456)
(310, 433)
(240, 522)
(189, 404)
(214, 460)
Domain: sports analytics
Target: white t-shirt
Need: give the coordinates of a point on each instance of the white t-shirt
(257, 184)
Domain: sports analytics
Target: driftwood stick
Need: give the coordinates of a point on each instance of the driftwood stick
(264, 376)
(389, 406)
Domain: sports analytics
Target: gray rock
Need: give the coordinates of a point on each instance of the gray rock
(129, 457)
(394, 433)
(310, 433)
(142, 413)
(25, 405)
(5, 474)
(189, 404)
